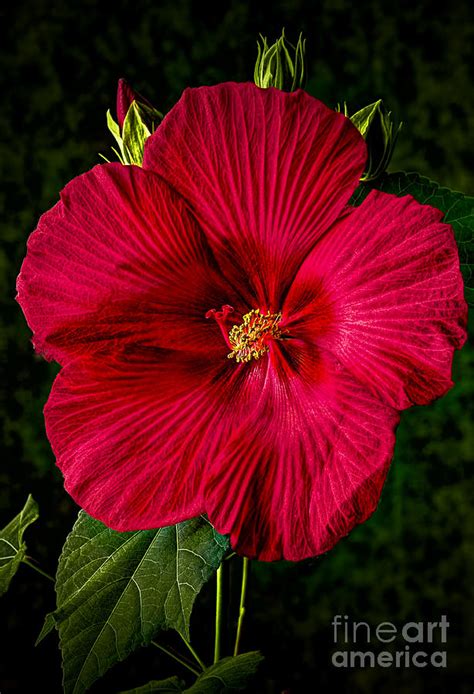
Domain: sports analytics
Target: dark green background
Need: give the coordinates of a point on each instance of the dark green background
(414, 559)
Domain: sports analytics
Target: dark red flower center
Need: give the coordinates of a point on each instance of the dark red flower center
(249, 339)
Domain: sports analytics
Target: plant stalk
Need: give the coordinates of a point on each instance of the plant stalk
(193, 652)
(178, 659)
(37, 568)
(243, 593)
(217, 640)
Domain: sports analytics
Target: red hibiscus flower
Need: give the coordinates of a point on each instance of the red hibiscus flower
(236, 340)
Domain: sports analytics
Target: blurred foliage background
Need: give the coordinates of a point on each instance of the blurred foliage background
(414, 559)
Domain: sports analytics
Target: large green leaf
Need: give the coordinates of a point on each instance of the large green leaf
(170, 685)
(228, 675)
(115, 591)
(12, 547)
(458, 209)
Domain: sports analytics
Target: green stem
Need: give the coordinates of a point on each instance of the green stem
(177, 658)
(243, 591)
(195, 655)
(217, 641)
(37, 568)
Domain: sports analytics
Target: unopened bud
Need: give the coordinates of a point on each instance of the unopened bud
(376, 126)
(137, 120)
(281, 65)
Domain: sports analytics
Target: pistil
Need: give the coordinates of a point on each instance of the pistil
(250, 339)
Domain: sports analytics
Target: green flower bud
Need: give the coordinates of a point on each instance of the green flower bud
(281, 65)
(376, 127)
(137, 120)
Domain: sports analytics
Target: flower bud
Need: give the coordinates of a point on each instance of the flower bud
(376, 127)
(281, 65)
(137, 120)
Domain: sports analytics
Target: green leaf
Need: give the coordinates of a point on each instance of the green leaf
(12, 547)
(115, 591)
(47, 628)
(458, 209)
(171, 684)
(228, 675)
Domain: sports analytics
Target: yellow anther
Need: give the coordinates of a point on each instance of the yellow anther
(249, 340)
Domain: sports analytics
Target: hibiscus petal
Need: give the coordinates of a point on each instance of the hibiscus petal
(118, 263)
(383, 292)
(266, 172)
(308, 466)
(132, 437)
